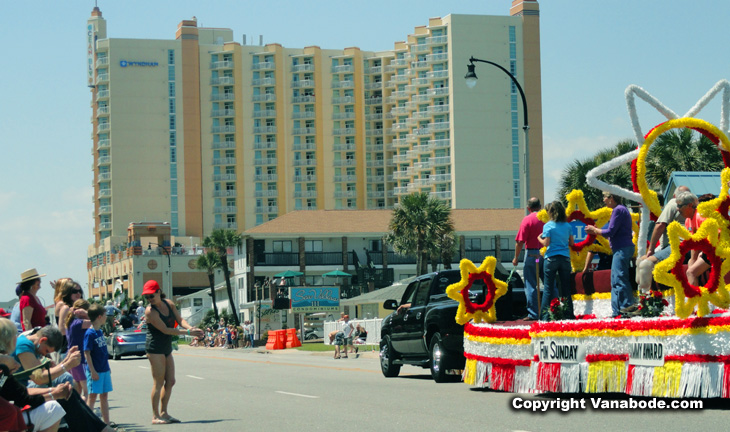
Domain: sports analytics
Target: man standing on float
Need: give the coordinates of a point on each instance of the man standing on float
(530, 229)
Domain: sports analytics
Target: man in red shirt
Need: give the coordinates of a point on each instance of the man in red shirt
(530, 229)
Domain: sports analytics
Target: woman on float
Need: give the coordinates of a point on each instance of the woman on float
(556, 236)
(161, 316)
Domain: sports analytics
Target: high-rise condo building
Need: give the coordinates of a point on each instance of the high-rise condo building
(204, 132)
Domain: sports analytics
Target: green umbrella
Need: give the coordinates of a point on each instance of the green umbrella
(288, 274)
(337, 273)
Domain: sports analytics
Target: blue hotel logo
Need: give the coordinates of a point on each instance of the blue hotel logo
(125, 63)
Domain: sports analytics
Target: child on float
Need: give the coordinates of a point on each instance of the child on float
(556, 236)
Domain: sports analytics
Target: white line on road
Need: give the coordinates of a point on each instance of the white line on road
(297, 394)
(193, 376)
(143, 367)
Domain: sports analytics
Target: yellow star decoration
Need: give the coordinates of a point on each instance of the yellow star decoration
(460, 291)
(578, 253)
(649, 196)
(717, 208)
(671, 271)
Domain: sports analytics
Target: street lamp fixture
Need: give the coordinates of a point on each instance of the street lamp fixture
(471, 82)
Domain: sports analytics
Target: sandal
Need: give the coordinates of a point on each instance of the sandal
(337, 357)
(160, 421)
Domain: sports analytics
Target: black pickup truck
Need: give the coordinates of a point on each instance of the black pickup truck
(426, 333)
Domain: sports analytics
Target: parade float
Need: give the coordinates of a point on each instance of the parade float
(678, 346)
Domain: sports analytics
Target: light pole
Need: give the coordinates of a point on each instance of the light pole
(471, 81)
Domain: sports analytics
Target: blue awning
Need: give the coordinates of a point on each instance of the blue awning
(699, 182)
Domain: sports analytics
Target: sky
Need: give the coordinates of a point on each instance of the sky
(590, 52)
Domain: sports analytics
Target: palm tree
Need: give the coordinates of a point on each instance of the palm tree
(680, 150)
(220, 240)
(209, 262)
(574, 175)
(417, 222)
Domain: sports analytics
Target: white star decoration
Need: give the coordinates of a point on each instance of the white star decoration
(631, 92)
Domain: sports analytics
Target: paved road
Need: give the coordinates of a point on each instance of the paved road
(237, 390)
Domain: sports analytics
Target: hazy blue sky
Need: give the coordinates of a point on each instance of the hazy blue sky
(591, 51)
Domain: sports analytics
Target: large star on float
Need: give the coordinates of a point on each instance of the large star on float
(671, 271)
(495, 288)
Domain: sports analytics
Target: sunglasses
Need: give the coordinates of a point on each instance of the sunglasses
(149, 296)
(77, 291)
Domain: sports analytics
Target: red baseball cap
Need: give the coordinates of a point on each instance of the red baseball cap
(150, 287)
(4, 314)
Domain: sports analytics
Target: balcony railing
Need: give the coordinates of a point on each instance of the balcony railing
(224, 177)
(393, 258)
(225, 209)
(305, 162)
(420, 48)
(223, 145)
(277, 259)
(374, 85)
(267, 209)
(305, 178)
(223, 129)
(376, 194)
(263, 65)
(223, 113)
(444, 195)
(105, 193)
(375, 163)
(264, 113)
(323, 258)
(400, 142)
(303, 115)
(439, 178)
(224, 161)
(222, 97)
(438, 109)
(346, 194)
(264, 97)
(303, 68)
(374, 132)
(103, 110)
(225, 64)
(374, 100)
(103, 143)
(222, 81)
(103, 127)
(305, 194)
(437, 57)
(304, 146)
(343, 100)
(344, 162)
(264, 145)
(104, 160)
(302, 83)
(343, 68)
(302, 99)
(438, 74)
(375, 178)
(304, 131)
(440, 126)
(102, 77)
(441, 160)
(374, 147)
(102, 61)
(106, 176)
(264, 161)
(374, 116)
(102, 94)
(264, 130)
(264, 82)
(225, 225)
(343, 115)
(105, 226)
(343, 131)
(105, 209)
(419, 65)
(344, 147)
(436, 40)
(224, 193)
(345, 178)
(441, 91)
(266, 177)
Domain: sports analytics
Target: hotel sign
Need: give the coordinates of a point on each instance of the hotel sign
(125, 63)
(90, 51)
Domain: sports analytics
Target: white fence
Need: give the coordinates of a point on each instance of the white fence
(372, 326)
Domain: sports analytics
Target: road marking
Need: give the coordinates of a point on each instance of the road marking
(297, 394)
(352, 369)
(143, 367)
(193, 376)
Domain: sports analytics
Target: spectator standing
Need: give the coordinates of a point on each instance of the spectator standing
(98, 373)
(32, 312)
(620, 237)
(530, 229)
(111, 313)
(76, 327)
(556, 236)
(347, 330)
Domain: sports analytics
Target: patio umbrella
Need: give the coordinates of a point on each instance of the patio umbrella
(288, 274)
(337, 273)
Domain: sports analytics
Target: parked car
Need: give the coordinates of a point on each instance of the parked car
(126, 342)
(312, 334)
(426, 333)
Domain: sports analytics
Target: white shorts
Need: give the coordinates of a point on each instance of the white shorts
(45, 416)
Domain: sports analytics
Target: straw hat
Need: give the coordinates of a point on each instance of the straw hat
(30, 274)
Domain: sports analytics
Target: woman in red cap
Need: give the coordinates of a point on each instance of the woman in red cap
(161, 316)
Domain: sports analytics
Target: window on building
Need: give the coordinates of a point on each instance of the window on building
(281, 246)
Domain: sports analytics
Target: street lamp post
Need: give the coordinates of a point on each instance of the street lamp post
(471, 81)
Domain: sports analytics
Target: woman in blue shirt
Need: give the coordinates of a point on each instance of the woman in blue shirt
(556, 236)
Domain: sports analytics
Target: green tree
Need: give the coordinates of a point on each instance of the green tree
(680, 150)
(210, 261)
(220, 240)
(417, 223)
(574, 175)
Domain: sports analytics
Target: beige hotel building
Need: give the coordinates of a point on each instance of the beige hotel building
(202, 132)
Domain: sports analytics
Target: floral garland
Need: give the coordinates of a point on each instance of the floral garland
(671, 272)
(648, 195)
(484, 312)
(658, 327)
(718, 208)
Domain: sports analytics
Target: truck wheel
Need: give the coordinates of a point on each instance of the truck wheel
(438, 360)
(389, 369)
